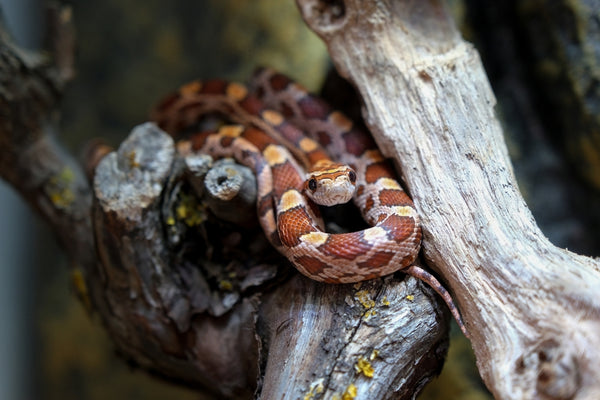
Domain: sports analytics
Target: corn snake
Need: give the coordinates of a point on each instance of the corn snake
(283, 131)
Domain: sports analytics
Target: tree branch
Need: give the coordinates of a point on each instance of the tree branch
(530, 307)
(31, 160)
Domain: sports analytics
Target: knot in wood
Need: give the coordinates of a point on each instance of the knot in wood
(556, 370)
(324, 15)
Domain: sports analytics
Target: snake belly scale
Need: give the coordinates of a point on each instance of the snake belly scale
(284, 131)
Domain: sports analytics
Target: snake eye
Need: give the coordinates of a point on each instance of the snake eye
(312, 184)
(352, 176)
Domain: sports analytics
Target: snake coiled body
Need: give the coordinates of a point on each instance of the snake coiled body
(393, 241)
(284, 131)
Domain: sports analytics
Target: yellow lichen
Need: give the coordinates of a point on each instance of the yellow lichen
(385, 301)
(190, 211)
(81, 288)
(363, 366)
(59, 189)
(225, 285)
(315, 388)
(132, 158)
(181, 211)
(350, 393)
(410, 297)
(365, 299)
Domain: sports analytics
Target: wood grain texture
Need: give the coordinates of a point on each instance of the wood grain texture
(531, 308)
(323, 339)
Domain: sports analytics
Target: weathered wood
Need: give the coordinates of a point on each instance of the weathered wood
(531, 308)
(330, 340)
(231, 192)
(156, 304)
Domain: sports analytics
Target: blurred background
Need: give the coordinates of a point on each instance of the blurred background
(542, 60)
(21, 238)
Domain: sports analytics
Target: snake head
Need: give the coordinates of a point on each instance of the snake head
(330, 183)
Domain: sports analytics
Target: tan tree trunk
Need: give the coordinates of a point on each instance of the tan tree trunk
(532, 309)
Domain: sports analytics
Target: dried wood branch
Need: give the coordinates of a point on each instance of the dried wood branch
(48, 178)
(532, 309)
